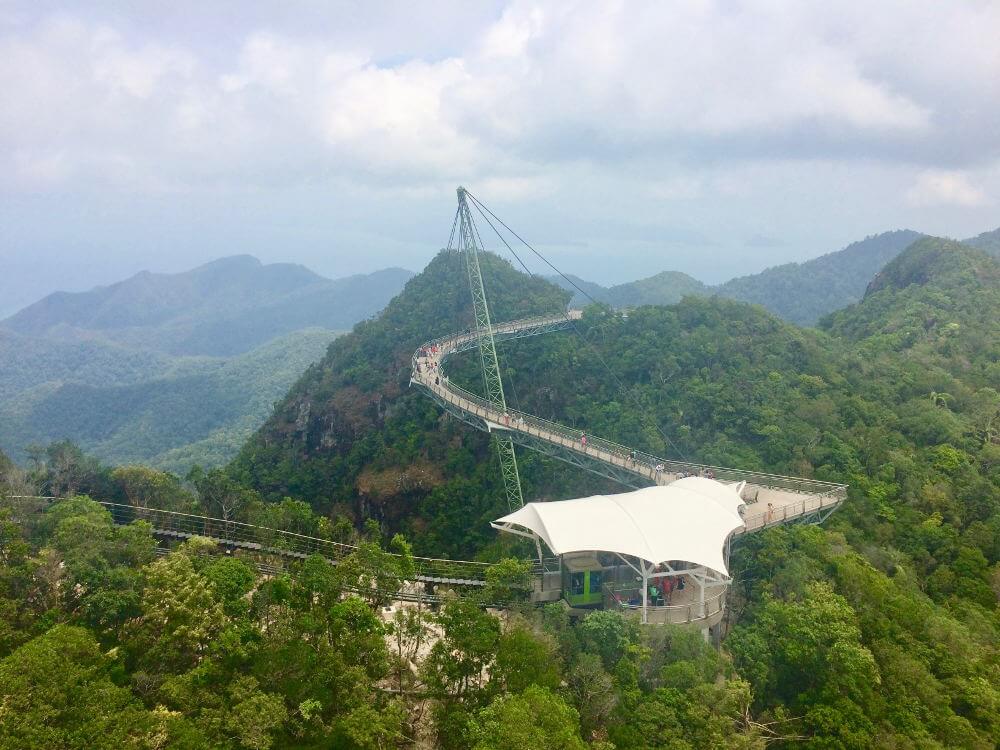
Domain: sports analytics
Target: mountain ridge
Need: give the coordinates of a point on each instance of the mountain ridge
(225, 307)
(114, 368)
(799, 292)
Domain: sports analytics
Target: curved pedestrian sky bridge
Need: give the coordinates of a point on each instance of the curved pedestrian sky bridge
(770, 498)
(688, 517)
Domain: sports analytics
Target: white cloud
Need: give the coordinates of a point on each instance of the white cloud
(942, 188)
(542, 87)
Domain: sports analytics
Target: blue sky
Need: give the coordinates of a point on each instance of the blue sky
(715, 138)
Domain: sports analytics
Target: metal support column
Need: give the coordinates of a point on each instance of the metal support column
(468, 244)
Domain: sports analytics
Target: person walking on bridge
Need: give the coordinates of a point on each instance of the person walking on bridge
(583, 441)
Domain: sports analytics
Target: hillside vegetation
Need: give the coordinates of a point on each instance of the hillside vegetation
(988, 242)
(170, 412)
(800, 293)
(104, 644)
(352, 435)
(665, 288)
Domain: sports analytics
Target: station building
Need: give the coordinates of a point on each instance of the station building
(659, 553)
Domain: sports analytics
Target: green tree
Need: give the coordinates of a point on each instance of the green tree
(608, 634)
(180, 616)
(525, 658)
(231, 579)
(508, 582)
(375, 574)
(535, 718)
(149, 488)
(455, 668)
(220, 495)
(254, 716)
(809, 656)
(56, 692)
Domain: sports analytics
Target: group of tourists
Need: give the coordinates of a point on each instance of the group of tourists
(707, 473)
(518, 421)
(431, 366)
(661, 589)
(429, 353)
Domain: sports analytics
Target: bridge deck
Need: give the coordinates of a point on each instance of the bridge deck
(771, 499)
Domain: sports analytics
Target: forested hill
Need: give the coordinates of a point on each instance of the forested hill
(797, 292)
(172, 369)
(803, 292)
(938, 296)
(881, 628)
(987, 241)
(222, 308)
(664, 288)
(132, 406)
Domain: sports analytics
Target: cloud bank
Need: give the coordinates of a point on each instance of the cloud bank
(543, 84)
(726, 118)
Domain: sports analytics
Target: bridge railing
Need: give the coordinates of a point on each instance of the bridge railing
(455, 342)
(791, 511)
(643, 463)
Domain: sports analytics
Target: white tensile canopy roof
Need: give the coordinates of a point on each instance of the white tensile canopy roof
(726, 495)
(688, 519)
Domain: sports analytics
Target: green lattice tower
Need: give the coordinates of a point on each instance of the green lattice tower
(468, 243)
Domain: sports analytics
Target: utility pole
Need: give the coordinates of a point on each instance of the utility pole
(468, 243)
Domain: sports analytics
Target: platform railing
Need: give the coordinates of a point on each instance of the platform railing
(791, 511)
(677, 614)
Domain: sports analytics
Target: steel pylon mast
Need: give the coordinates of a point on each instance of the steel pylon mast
(469, 246)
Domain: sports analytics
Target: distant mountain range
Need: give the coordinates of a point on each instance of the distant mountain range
(987, 241)
(172, 369)
(222, 308)
(800, 293)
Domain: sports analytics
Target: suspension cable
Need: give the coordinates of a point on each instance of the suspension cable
(483, 210)
(482, 207)
(454, 226)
